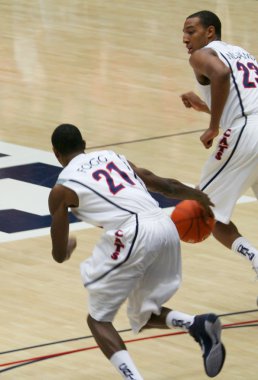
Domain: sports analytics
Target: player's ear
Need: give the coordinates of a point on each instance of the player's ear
(211, 31)
(56, 152)
(58, 156)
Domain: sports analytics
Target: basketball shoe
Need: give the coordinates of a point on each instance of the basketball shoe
(255, 265)
(206, 330)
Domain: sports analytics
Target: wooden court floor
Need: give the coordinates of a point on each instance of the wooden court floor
(116, 69)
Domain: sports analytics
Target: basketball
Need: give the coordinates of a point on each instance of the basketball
(190, 222)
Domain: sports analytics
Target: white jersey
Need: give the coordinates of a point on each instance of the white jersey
(243, 96)
(108, 189)
(138, 255)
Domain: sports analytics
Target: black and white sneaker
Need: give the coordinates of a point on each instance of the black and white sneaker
(255, 266)
(206, 330)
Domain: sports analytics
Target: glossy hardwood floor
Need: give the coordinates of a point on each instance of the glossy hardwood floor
(116, 69)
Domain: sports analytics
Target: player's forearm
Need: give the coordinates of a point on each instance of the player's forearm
(176, 189)
(191, 100)
(59, 237)
(180, 191)
(204, 107)
(169, 187)
(172, 188)
(59, 251)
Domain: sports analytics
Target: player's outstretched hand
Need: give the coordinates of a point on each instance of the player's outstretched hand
(205, 202)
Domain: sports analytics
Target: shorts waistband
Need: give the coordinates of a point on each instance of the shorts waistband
(150, 214)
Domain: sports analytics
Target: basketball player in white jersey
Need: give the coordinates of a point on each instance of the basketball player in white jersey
(138, 256)
(228, 79)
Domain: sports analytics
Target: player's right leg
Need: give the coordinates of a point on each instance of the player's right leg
(228, 235)
(204, 328)
(228, 177)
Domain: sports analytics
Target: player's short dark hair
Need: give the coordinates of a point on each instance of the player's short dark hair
(207, 19)
(67, 139)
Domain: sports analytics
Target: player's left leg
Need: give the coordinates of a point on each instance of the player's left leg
(113, 347)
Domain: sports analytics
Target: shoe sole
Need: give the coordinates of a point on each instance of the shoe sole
(213, 363)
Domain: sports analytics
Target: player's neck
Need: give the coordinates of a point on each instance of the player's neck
(68, 158)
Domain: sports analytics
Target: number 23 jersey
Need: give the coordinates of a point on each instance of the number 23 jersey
(243, 94)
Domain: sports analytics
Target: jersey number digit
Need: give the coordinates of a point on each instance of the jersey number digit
(98, 174)
(247, 72)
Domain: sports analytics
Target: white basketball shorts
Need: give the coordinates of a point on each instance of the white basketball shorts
(141, 262)
(232, 168)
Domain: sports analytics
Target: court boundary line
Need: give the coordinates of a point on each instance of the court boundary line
(119, 331)
(23, 362)
(147, 139)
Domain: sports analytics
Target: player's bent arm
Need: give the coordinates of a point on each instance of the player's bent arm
(209, 69)
(60, 199)
(173, 188)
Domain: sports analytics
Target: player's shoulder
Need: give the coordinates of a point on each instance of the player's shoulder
(201, 55)
(231, 51)
(62, 195)
(216, 47)
(57, 193)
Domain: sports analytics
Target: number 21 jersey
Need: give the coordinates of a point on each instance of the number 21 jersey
(109, 191)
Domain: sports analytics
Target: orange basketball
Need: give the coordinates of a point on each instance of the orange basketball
(192, 227)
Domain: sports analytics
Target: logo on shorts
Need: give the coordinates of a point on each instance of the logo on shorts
(223, 144)
(118, 244)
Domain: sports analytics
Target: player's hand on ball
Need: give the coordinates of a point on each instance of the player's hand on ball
(206, 203)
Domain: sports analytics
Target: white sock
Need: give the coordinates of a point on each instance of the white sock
(177, 319)
(122, 361)
(244, 248)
